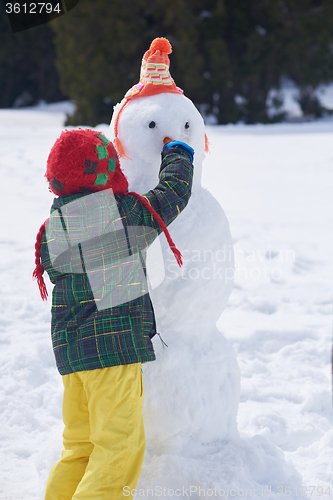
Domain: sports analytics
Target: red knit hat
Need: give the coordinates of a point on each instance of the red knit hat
(82, 161)
(155, 79)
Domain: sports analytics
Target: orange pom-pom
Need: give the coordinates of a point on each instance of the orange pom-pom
(161, 44)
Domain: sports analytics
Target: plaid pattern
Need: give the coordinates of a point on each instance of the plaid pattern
(84, 337)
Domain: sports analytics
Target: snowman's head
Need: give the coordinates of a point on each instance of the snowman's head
(146, 121)
(152, 110)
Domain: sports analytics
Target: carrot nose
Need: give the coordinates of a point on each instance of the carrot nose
(166, 140)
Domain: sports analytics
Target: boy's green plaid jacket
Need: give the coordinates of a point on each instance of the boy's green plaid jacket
(94, 252)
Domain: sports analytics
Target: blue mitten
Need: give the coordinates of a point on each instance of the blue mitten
(179, 145)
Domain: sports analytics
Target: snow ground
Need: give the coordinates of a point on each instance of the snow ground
(277, 192)
(275, 184)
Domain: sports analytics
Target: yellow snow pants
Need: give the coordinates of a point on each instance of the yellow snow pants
(104, 438)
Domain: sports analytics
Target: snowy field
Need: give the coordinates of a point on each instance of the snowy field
(275, 184)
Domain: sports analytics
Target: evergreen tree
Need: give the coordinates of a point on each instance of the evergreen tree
(99, 49)
(308, 39)
(260, 42)
(27, 72)
(227, 55)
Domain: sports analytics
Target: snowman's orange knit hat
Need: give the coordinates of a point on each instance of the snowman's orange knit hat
(155, 75)
(155, 79)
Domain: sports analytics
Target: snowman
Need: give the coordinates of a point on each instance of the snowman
(192, 389)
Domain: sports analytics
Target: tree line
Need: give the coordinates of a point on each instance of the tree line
(227, 55)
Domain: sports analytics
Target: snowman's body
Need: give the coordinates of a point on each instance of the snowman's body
(184, 398)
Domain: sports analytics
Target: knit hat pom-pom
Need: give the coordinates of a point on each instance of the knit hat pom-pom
(161, 44)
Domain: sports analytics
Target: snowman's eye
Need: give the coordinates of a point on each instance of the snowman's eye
(152, 124)
(187, 125)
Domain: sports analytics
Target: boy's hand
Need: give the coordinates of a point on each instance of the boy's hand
(168, 143)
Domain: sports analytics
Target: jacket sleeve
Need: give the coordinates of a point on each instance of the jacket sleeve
(172, 193)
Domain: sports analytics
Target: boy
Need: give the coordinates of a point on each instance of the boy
(93, 248)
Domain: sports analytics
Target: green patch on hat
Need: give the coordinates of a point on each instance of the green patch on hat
(104, 139)
(101, 179)
(102, 152)
(112, 165)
